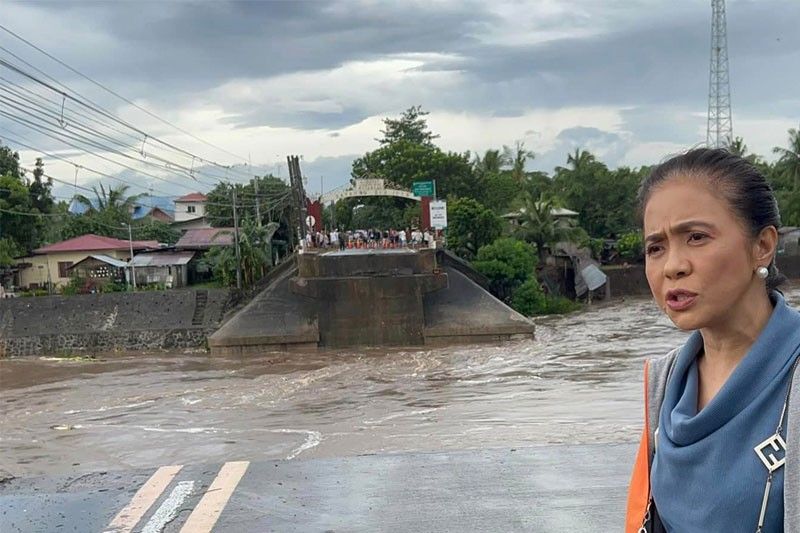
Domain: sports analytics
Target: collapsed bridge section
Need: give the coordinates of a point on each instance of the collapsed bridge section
(348, 298)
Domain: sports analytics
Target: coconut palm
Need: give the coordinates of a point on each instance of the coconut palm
(538, 226)
(110, 199)
(789, 158)
(492, 162)
(518, 157)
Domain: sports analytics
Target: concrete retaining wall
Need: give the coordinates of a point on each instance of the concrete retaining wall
(631, 280)
(102, 323)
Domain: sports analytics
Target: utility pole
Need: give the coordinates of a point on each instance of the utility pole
(719, 132)
(133, 268)
(236, 243)
(258, 202)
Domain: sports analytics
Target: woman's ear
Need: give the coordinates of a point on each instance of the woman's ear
(765, 245)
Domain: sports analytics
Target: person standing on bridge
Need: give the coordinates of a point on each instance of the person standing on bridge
(720, 448)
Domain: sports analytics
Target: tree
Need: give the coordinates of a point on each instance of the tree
(8, 251)
(411, 127)
(538, 226)
(9, 163)
(148, 229)
(407, 154)
(789, 159)
(605, 200)
(471, 225)
(507, 262)
(518, 157)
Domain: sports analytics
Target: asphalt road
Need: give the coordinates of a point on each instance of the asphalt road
(547, 489)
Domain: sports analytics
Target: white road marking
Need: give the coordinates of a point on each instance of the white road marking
(207, 512)
(144, 498)
(169, 509)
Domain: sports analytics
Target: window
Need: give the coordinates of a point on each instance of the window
(62, 268)
(190, 208)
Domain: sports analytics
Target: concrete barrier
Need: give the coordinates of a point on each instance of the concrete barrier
(109, 322)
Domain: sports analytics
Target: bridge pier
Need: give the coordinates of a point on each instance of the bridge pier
(369, 298)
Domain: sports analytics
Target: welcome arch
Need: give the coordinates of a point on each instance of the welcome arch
(363, 187)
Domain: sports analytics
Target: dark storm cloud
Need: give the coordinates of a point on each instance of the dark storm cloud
(643, 54)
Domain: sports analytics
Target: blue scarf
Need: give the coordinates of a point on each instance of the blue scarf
(706, 475)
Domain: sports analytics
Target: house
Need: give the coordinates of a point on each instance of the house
(50, 264)
(99, 268)
(560, 214)
(160, 208)
(190, 207)
(205, 238)
(169, 268)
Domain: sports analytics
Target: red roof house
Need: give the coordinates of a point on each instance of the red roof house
(192, 197)
(51, 265)
(91, 243)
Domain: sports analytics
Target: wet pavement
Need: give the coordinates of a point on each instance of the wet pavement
(561, 488)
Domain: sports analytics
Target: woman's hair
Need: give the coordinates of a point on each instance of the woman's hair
(746, 190)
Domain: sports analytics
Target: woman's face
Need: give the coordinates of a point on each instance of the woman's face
(700, 262)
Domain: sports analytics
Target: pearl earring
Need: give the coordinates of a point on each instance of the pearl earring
(762, 272)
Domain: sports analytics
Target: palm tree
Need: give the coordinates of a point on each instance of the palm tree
(518, 158)
(113, 198)
(492, 163)
(789, 160)
(538, 226)
(580, 159)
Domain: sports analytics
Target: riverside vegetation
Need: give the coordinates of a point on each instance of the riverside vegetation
(479, 189)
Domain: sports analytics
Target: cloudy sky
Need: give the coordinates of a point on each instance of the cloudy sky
(626, 79)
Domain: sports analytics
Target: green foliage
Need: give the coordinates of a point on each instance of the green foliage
(529, 300)
(631, 246)
(605, 200)
(507, 263)
(9, 163)
(411, 127)
(471, 225)
(274, 201)
(9, 249)
(255, 257)
(538, 226)
(788, 164)
(154, 230)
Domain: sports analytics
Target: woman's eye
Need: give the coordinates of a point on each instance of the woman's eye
(650, 250)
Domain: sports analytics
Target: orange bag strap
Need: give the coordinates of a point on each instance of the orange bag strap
(639, 488)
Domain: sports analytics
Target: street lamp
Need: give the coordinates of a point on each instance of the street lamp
(130, 243)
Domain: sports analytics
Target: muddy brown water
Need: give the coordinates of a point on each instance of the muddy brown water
(579, 381)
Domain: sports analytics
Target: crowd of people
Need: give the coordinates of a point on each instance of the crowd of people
(372, 238)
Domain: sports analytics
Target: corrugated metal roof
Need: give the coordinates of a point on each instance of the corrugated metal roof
(105, 259)
(91, 242)
(205, 238)
(162, 259)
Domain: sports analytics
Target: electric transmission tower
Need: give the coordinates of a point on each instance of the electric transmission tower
(720, 128)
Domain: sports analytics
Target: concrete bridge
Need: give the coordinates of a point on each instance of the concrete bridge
(370, 298)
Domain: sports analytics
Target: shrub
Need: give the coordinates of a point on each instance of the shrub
(507, 262)
(529, 300)
(631, 246)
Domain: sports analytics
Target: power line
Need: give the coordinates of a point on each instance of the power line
(98, 84)
(277, 199)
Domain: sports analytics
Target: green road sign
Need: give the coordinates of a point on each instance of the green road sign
(422, 188)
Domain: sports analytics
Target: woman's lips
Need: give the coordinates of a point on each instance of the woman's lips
(680, 300)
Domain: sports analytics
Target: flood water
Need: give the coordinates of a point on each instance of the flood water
(579, 381)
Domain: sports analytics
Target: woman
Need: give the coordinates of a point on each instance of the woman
(718, 418)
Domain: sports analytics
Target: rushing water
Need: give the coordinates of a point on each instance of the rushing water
(579, 381)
